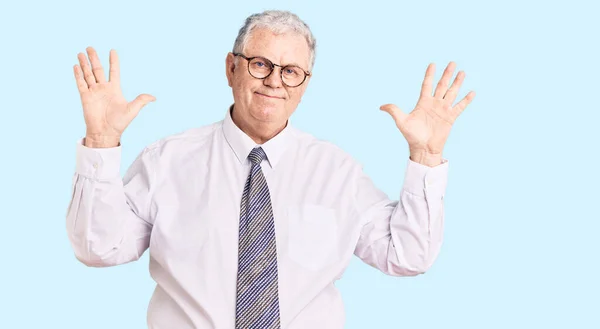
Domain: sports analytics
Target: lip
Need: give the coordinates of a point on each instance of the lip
(268, 96)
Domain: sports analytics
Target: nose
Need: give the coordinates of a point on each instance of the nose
(274, 79)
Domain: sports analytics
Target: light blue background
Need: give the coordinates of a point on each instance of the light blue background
(522, 218)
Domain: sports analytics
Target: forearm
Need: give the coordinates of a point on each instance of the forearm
(416, 232)
(417, 223)
(101, 225)
(404, 238)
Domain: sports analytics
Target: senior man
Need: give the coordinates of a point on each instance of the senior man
(249, 221)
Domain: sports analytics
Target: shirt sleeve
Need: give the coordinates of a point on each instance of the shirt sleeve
(403, 237)
(108, 218)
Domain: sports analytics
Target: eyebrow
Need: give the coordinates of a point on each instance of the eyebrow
(284, 65)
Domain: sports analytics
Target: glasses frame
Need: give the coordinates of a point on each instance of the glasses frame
(249, 59)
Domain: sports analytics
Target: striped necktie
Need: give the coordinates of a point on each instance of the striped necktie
(257, 304)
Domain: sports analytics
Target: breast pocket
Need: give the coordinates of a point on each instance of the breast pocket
(313, 236)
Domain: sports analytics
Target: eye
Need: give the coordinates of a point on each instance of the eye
(292, 71)
(260, 63)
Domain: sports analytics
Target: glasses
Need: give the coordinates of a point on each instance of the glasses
(260, 68)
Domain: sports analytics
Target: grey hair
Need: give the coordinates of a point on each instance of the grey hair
(277, 21)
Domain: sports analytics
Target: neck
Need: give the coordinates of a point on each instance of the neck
(259, 132)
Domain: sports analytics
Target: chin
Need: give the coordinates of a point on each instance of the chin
(268, 113)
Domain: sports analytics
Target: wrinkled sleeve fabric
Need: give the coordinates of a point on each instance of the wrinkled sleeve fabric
(402, 237)
(108, 218)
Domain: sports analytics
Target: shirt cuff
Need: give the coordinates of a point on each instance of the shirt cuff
(98, 163)
(421, 180)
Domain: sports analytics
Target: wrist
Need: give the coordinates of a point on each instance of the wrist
(97, 141)
(425, 158)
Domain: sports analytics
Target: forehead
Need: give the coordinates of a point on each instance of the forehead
(285, 48)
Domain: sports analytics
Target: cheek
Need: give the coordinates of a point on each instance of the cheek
(294, 97)
(243, 89)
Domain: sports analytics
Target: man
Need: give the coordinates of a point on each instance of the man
(250, 221)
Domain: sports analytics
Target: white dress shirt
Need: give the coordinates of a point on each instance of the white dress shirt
(181, 200)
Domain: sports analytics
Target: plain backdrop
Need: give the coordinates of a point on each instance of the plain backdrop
(522, 217)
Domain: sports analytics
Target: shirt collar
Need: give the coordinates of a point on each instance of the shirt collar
(242, 144)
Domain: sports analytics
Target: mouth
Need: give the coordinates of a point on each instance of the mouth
(268, 96)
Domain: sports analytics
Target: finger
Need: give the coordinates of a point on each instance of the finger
(453, 90)
(114, 73)
(81, 84)
(139, 102)
(462, 105)
(96, 65)
(397, 114)
(442, 85)
(87, 71)
(427, 85)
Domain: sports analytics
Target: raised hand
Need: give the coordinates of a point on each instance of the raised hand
(427, 127)
(106, 111)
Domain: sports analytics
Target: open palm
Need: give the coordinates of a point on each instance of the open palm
(428, 126)
(106, 111)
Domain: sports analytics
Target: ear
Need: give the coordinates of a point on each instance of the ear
(229, 68)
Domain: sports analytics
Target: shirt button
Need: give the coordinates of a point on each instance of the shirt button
(95, 165)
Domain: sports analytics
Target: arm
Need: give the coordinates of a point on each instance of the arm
(404, 237)
(108, 218)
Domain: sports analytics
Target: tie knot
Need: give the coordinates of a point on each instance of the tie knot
(257, 155)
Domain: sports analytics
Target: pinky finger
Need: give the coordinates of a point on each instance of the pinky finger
(462, 105)
(81, 84)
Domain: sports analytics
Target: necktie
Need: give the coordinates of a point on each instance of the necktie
(257, 304)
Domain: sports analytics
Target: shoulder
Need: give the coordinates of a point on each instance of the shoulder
(184, 141)
(314, 148)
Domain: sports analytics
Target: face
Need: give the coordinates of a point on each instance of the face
(267, 103)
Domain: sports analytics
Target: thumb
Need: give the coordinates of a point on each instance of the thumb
(139, 102)
(395, 112)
